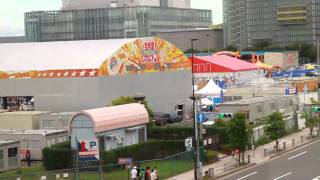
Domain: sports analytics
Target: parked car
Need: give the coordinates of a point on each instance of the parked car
(161, 119)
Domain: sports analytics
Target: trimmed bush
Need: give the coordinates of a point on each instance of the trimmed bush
(145, 151)
(155, 132)
(58, 158)
(211, 156)
(61, 156)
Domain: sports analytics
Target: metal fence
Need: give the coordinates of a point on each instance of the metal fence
(167, 167)
(289, 144)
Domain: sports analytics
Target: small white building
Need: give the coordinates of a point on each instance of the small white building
(114, 126)
(9, 155)
(34, 140)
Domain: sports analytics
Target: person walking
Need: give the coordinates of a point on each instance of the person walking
(253, 150)
(28, 158)
(148, 173)
(153, 175)
(142, 175)
(156, 171)
(134, 173)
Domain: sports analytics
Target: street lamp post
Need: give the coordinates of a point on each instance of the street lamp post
(196, 137)
(208, 40)
(318, 63)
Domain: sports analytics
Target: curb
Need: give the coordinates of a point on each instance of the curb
(268, 158)
(289, 150)
(235, 170)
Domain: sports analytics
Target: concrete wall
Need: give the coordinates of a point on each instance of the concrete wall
(7, 164)
(163, 91)
(182, 38)
(35, 142)
(54, 120)
(128, 137)
(260, 109)
(19, 120)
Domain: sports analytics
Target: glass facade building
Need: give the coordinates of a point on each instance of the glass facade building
(280, 22)
(111, 23)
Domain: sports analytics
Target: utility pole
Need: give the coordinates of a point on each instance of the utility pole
(195, 124)
(208, 41)
(318, 63)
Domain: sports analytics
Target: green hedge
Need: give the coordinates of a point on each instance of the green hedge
(210, 155)
(57, 158)
(61, 156)
(155, 132)
(145, 151)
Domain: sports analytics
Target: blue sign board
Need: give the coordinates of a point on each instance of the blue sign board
(200, 118)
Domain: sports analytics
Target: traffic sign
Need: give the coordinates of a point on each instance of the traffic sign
(188, 142)
(200, 118)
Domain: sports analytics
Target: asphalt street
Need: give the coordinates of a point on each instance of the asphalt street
(301, 164)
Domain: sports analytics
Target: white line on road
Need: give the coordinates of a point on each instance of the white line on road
(247, 175)
(283, 176)
(317, 178)
(297, 155)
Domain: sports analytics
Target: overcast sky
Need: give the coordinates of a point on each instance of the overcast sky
(11, 12)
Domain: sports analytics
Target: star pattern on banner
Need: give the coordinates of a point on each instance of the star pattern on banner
(68, 73)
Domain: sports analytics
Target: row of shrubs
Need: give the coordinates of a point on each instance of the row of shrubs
(180, 133)
(61, 156)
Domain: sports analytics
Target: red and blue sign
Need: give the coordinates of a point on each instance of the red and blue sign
(88, 150)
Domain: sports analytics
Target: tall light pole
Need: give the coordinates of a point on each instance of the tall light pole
(196, 137)
(208, 40)
(318, 63)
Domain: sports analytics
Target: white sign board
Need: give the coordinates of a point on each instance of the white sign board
(188, 142)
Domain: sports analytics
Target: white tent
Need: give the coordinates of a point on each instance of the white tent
(210, 90)
(206, 101)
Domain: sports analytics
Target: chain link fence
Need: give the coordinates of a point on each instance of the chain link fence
(167, 167)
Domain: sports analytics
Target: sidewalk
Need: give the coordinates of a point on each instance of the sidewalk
(261, 154)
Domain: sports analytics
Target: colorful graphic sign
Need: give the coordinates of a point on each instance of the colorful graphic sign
(139, 56)
(88, 150)
(145, 55)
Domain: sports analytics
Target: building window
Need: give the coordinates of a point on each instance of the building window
(164, 3)
(12, 152)
(273, 106)
(1, 155)
(142, 136)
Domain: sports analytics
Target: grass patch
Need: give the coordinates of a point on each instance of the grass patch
(166, 169)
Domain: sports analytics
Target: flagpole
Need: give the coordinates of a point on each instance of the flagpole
(77, 159)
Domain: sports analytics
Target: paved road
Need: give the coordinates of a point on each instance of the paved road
(301, 164)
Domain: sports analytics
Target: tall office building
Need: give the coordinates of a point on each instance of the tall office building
(279, 22)
(87, 4)
(111, 19)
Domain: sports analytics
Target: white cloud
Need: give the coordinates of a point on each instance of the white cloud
(10, 28)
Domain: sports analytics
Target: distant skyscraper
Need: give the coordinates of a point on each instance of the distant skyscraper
(108, 19)
(280, 22)
(85, 4)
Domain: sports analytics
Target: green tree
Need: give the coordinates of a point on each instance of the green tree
(311, 121)
(238, 134)
(231, 48)
(128, 99)
(275, 127)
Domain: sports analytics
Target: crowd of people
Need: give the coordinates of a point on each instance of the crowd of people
(138, 173)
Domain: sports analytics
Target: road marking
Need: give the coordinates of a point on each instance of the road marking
(247, 175)
(317, 178)
(297, 155)
(283, 176)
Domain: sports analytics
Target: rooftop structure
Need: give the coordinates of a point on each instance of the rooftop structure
(93, 4)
